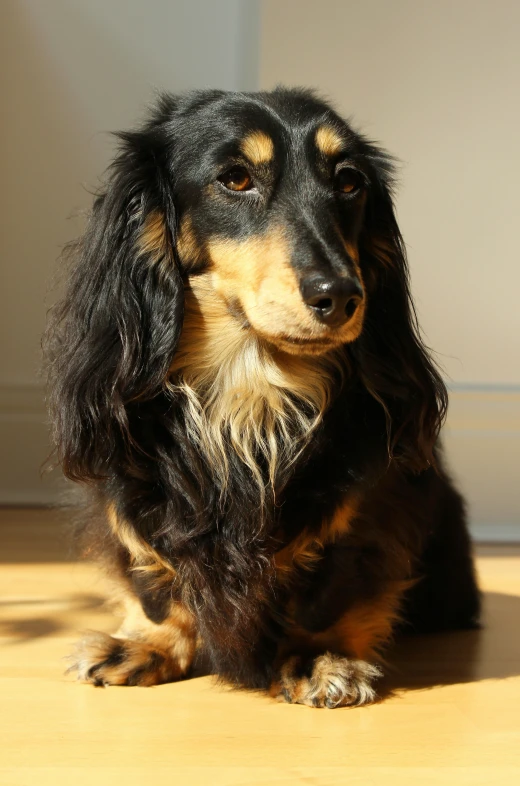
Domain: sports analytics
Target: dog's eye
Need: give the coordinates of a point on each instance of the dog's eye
(237, 179)
(348, 181)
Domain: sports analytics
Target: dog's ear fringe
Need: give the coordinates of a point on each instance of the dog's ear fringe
(111, 338)
(391, 358)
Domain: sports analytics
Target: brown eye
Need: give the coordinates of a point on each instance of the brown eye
(236, 179)
(348, 181)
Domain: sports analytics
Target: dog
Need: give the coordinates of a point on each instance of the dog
(237, 376)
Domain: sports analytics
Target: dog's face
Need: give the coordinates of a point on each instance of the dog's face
(270, 192)
(230, 216)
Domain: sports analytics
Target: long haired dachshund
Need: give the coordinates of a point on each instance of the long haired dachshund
(237, 374)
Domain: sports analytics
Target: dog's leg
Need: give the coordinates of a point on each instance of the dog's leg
(142, 652)
(326, 680)
(337, 667)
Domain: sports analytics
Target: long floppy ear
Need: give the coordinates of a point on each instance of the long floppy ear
(392, 360)
(110, 341)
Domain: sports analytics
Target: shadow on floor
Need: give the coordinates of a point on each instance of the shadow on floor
(414, 662)
(61, 616)
(418, 662)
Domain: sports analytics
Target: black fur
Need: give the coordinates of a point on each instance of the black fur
(119, 427)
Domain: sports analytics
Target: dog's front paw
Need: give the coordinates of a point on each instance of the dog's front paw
(326, 681)
(104, 660)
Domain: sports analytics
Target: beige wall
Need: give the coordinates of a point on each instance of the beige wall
(76, 70)
(437, 82)
(73, 71)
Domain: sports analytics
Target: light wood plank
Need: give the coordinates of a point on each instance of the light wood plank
(451, 717)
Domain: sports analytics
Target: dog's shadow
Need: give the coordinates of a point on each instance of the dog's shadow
(418, 662)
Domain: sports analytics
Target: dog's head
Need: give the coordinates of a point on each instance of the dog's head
(285, 214)
(270, 192)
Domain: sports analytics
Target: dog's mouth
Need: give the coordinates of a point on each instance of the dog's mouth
(292, 331)
(283, 340)
(296, 345)
(304, 341)
(302, 345)
(293, 343)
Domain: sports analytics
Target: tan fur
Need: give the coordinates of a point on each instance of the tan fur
(353, 252)
(176, 635)
(153, 239)
(334, 681)
(242, 393)
(143, 556)
(328, 141)
(146, 653)
(306, 549)
(258, 147)
(295, 687)
(364, 628)
(356, 323)
(188, 249)
(256, 274)
(341, 521)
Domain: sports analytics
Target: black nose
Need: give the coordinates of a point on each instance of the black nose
(334, 300)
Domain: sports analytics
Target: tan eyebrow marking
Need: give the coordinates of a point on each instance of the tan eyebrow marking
(328, 141)
(258, 147)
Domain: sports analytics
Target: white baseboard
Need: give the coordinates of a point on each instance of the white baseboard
(24, 448)
(29, 498)
(482, 442)
(481, 437)
(508, 532)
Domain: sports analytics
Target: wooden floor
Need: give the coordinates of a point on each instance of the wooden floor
(451, 715)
